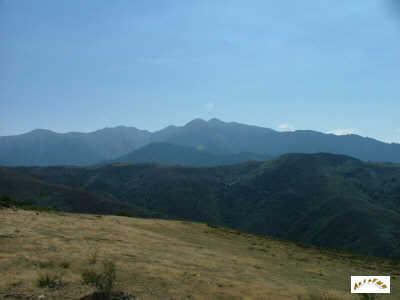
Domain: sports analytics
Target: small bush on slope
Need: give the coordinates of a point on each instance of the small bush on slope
(104, 280)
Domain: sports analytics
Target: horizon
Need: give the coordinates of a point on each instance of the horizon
(76, 66)
(186, 123)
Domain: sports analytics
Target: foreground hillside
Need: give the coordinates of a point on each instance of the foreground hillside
(159, 259)
(320, 199)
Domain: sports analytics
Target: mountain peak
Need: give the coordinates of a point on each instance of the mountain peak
(117, 128)
(215, 121)
(201, 122)
(41, 132)
(196, 123)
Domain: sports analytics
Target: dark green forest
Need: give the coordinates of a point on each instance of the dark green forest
(320, 199)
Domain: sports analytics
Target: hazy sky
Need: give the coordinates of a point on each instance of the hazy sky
(316, 64)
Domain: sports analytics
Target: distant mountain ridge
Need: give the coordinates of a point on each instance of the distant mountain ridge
(47, 148)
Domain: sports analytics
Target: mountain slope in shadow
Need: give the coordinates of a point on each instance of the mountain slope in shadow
(170, 154)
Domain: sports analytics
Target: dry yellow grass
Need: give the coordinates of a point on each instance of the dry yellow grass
(159, 259)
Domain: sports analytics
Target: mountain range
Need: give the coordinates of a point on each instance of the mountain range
(321, 199)
(237, 142)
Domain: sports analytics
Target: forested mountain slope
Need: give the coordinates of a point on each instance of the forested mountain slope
(321, 199)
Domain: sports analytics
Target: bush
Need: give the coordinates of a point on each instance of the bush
(51, 281)
(126, 214)
(64, 264)
(7, 202)
(104, 280)
(50, 264)
(212, 225)
(93, 257)
(45, 264)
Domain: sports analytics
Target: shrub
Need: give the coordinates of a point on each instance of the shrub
(212, 225)
(64, 264)
(104, 280)
(45, 264)
(51, 281)
(93, 257)
(126, 214)
(6, 202)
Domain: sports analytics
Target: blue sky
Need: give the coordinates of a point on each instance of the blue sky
(331, 66)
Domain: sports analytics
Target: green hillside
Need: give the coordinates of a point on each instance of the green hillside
(320, 199)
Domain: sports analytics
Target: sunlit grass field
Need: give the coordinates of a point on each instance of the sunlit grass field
(157, 259)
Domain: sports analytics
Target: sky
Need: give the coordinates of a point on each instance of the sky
(72, 65)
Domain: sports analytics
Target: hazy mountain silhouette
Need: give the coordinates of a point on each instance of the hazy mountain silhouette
(42, 147)
(220, 137)
(169, 154)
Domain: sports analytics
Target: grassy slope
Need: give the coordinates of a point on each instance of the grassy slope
(159, 259)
